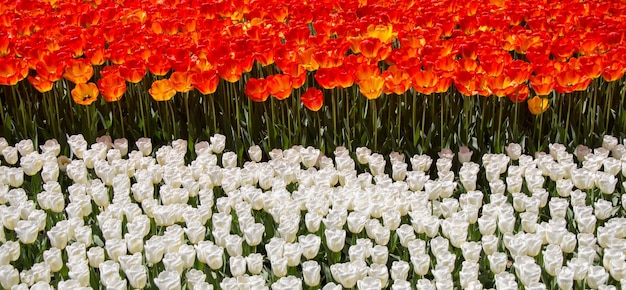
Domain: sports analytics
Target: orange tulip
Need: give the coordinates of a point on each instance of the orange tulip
(112, 87)
(384, 33)
(230, 70)
(85, 93)
(40, 84)
(613, 71)
(159, 65)
(591, 66)
(51, 68)
(568, 80)
(96, 56)
(538, 105)
(133, 70)
(313, 99)
(298, 81)
(279, 86)
(372, 87)
(205, 82)
(12, 70)
(520, 94)
(307, 60)
(181, 81)
(256, 90)
(542, 84)
(325, 78)
(425, 81)
(373, 48)
(162, 90)
(397, 81)
(366, 71)
(344, 76)
(78, 71)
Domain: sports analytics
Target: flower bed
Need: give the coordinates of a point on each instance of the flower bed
(116, 217)
(423, 74)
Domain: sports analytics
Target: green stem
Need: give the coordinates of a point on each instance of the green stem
(442, 133)
(333, 99)
(399, 120)
(141, 110)
(499, 134)
(593, 118)
(516, 112)
(608, 106)
(119, 109)
(569, 110)
(190, 131)
(374, 124)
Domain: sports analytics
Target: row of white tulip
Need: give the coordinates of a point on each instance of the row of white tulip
(108, 217)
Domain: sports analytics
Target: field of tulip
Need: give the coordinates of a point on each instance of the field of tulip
(410, 76)
(252, 144)
(111, 216)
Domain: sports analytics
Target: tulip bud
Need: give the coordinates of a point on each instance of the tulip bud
(53, 258)
(379, 254)
(565, 278)
(369, 283)
(597, 276)
(137, 276)
(168, 280)
(173, 263)
(311, 273)
(279, 266)
(9, 276)
(421, 264)
(335, 239)
(471, 251)
(237, 266)
(287, 283)
(399, 270)
(254, 263)
(497, 262)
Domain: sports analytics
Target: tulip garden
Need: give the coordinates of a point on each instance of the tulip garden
(187, 144)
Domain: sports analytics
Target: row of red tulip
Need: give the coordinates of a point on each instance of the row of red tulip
(498, 47)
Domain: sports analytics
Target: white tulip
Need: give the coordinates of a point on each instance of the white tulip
(369, 283)
(289, 282)
(399, 270)
(58, 237)
(279, 266)
(505, 280)
(596, 276)
(469, 273)
(27, 231)
(471, 251)
(311, 273)
(9, 276)
(565, 278)
(137, 276)
(173, 263)
(527, 270)
(237, 266)
(195, 278)
(487, 225)
(53, 258)
(168, 280)
(109, 273)
(80, 272)
(379, 254)
(310, 245)
(497, 262)
(346, 274)
(254, 263)
(335, 239)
